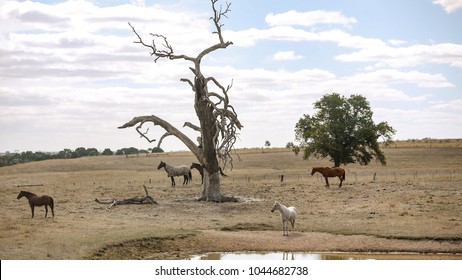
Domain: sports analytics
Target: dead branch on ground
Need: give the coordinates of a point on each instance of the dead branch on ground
(132, 200)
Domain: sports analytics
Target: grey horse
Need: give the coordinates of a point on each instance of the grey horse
(173, 171)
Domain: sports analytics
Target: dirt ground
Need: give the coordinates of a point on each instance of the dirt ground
(412, 205)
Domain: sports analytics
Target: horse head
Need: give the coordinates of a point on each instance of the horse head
(21, 194)
(161, 164)
(275, 206)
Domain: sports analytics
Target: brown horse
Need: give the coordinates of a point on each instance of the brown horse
(35, 200)
(200, 168)
(330, 172)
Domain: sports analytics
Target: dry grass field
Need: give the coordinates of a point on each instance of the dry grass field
(414, 204)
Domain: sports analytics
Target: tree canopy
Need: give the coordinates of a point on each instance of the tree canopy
(343, 130)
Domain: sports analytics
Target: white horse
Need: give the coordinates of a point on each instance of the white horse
(287, 214)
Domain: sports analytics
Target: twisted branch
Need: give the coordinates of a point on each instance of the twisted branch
(157, 53)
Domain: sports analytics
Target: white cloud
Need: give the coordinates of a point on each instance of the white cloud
(308, 19)
(449, 6)
(286, 55)
(72, 69)
(450, 54)
(454, 105)
(84, 18)
(140, 3)
(422, 122)
(396, 42)
(393, 76)
(249, 37)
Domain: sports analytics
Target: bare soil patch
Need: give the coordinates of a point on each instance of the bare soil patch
(413, 205)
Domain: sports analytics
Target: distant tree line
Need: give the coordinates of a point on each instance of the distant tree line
(11, 158)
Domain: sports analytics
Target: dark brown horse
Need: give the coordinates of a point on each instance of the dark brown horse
(200, 168)
(330, 172)
(35, 200)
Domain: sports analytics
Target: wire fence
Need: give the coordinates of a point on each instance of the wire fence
(301, 178)
(354, 176)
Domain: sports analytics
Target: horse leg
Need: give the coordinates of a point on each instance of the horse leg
(173, 181)
(341, 181)
(293, 225)
(52, 210)
(32, 209)
(185, 180)
(46, 210)
(327, 181)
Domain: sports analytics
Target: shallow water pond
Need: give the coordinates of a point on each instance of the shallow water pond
(323, 256)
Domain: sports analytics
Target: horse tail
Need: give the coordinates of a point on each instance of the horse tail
(223, 174)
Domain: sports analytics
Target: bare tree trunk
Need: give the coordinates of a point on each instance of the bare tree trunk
(209, 159)
(212, 191)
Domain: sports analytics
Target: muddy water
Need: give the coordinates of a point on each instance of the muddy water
(323, 256)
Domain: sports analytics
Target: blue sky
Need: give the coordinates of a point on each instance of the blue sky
(70, 73)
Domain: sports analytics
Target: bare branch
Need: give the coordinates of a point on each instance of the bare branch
(167, 52)
(143, 135)
(132, 200)
(217, 14)
(188, 81)
(167, 127)
(166, 134)
(193, 126)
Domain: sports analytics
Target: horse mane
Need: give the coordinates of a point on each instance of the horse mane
(27, 193)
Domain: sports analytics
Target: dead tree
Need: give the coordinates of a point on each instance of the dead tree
(132, 200)
(218, 121)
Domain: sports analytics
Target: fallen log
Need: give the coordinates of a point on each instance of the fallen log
(132, 200)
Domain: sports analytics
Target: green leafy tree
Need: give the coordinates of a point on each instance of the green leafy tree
(157, 150)
(127, 151)
(343, 130)
(92, 152)
(66, 153)
(80, 152)
(107, 152)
